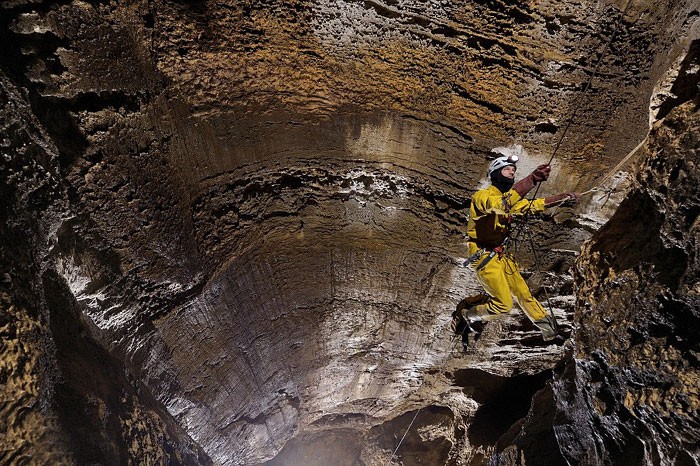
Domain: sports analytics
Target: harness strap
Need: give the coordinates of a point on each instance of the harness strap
(474, 257)
(497, 250)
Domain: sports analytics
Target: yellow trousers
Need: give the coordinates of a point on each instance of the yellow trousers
(502, 281)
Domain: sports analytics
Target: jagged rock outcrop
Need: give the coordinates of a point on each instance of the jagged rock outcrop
(233, 231)
(636, 376)
(627, 393)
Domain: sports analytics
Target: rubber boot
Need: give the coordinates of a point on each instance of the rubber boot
(461, 328)
(458, 323)
(476, 318)
(548, 327)
(459, 319)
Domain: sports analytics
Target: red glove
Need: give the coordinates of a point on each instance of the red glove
(538, 175)
(541, 173)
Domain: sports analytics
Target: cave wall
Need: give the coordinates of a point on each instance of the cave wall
(245, 219)
(627, 393)
(65, 399)
(636, 365)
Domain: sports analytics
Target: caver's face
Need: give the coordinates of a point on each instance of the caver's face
(508, 171)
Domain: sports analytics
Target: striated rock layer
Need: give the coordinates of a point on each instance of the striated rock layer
(233, 231)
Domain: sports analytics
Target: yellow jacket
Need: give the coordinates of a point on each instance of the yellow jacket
(489, 212)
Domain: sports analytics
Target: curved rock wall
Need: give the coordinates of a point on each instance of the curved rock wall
(244, 220)
(65, 399)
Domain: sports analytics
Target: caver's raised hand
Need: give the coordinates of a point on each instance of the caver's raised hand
(541, 173)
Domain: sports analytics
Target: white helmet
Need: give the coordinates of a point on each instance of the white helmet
(507, 156)
(501, 162)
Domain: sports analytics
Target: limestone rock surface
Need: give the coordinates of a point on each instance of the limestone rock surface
(233, 231)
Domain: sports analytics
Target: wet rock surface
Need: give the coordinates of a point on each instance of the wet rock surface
(233, 232)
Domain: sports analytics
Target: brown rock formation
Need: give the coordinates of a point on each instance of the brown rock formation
(233, 231)
(639, 302)
(628, 393)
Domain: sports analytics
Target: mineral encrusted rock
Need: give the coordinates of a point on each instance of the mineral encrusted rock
(639, 315)
(628, 391)
(233, 231)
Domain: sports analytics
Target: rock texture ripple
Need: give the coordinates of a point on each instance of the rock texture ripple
(233, 231)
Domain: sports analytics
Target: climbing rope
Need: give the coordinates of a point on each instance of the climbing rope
(544, 287)
(580, 96)
(526, 216)
(456, 339)
(615, 169)
(393, 454)
(561, 140)
(588, 83)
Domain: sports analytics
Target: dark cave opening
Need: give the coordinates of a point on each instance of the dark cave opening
(504, 401)
(405, 436)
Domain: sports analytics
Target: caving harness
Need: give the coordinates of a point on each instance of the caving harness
(499, 251)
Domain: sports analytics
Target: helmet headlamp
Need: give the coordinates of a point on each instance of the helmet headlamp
(500, 162)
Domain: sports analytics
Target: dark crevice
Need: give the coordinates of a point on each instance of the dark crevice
(337, 420)
(552, 26)
(461, 134)
(94, 101)
(462, 92)
(549, 128)
(382, 10)
(415, 449)
(61, 126)
(503, 400)
(687, 85)
(509, 11)
(92, 409)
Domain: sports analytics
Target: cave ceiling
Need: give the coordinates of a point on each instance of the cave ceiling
(257, 208)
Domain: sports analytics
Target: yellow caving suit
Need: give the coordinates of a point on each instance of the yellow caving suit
(487, 228)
